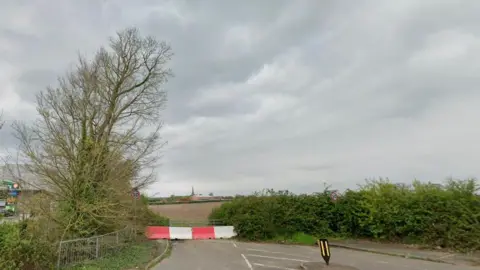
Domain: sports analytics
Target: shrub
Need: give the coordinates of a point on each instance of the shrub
(20, 249)
(147, 217)
(446, 216)
(153, 219)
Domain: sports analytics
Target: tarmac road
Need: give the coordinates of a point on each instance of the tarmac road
(223, 255)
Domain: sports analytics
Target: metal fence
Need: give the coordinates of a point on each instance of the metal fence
(74, 251)
(195, 223)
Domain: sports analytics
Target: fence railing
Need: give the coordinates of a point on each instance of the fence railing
(195, 223)
(75, 251)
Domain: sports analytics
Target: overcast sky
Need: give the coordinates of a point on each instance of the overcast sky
(278, 94)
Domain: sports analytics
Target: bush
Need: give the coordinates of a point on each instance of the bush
(19, 249)
(147, 217)
(446, 216)
(153, 219)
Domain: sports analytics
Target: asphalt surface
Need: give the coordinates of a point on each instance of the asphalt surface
(220, 255)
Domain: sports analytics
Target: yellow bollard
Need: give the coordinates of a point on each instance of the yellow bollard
(324, 250)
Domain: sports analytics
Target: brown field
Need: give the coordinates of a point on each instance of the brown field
(187, 211)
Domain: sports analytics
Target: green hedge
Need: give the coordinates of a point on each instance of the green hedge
(22, 250)
(147, 217)
(446, 216)
(153, 219)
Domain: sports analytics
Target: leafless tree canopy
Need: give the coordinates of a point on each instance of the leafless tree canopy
(98, 130)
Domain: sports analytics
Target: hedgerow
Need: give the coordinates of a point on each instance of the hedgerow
(447, 216)
(21, 248)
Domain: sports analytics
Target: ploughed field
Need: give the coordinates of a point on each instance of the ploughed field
(186, 211)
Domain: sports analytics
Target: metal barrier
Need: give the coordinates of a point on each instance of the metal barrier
(78, 250)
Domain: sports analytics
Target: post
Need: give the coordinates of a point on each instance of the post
(97, 248)
(135, 195)
(59, 254)
(324, 250)
(116, 235)
(135, 217)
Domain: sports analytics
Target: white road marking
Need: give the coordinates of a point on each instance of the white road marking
(272, 266)
(276, 258)
(235, 245)
(248, 263)
(277, 252)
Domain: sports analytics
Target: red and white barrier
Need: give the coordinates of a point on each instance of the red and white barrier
(224, 232)
(187, 233)
(157, 232)
(180, 233)
(203, 233)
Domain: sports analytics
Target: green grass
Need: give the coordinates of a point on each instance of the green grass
(137, 255)
(298, 238)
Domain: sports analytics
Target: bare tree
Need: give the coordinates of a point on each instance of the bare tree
(98, 133)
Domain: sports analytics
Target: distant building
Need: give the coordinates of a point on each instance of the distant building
(29, 185)
(18, 174)
(206, 198)
(200, 197)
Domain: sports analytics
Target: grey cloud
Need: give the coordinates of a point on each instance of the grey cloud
(238, 108)
(31, 82)
(314, 167)
(349, 90)
(7, 140)
(197, 47)
(412, 94)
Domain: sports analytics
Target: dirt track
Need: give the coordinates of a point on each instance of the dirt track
(188, 211)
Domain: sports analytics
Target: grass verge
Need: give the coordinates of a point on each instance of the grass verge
(136, 256)
(164, 254)
(298, 238)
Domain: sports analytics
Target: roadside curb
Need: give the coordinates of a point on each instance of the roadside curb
(156, 260)
(324, 266)
(408, 256)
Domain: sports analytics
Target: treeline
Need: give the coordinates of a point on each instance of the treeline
(435, 215)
